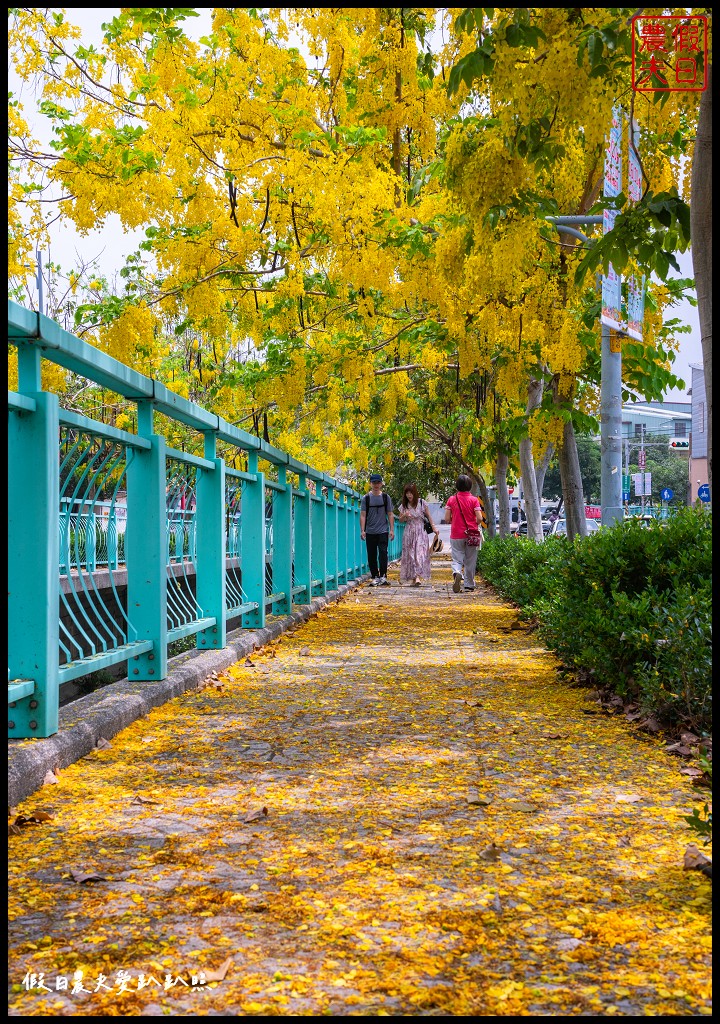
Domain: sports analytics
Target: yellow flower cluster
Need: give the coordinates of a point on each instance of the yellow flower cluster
(134, 328)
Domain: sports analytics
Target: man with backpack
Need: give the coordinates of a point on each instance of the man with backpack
(377, 526)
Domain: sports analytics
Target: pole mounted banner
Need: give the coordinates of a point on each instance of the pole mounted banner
(611, 315)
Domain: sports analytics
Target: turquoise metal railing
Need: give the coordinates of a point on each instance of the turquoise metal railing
(192, 543)
(97, 536)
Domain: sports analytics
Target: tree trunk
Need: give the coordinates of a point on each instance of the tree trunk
(527, 468)
(572, 485)
(503, 500)
(481, 486)
(490, 510)
(541, 469)
(701, 234)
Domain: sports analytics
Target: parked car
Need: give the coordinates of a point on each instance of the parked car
(559, 528)
(523, 528)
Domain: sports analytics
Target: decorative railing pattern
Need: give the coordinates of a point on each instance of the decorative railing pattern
(193, 543)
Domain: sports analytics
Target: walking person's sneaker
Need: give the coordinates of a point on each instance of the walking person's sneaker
(375, 581)
(457, 582)
(384, 581)
(468, 588)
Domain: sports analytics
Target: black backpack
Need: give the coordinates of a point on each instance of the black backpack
(386, 503)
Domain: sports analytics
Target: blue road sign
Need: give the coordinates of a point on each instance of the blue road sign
(666, 494)
(626, 495)
(704, 492)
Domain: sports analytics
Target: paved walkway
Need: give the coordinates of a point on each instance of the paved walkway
(398, 809)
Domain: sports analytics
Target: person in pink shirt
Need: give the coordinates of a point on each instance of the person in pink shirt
(466, 516)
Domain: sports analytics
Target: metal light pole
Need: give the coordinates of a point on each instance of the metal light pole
(610, 397)
(610, 431)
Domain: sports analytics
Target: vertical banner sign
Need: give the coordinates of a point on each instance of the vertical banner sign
(611, 283)
(636, 288)
(643, 484)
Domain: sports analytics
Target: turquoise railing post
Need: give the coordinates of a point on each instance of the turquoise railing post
(179, 535)
(353, 537)
(350, 529)
(252, 544)
(210, 548)
(360, 543)
(356, 542)
(348, 538)
(354, 528)
(282, 544)
(343, 560)
(91, 542)
(65, 529)
(331, 539)
(33, 580)
(302, 534)
(145, 549)
(112, 540)
(361, 546)
(319, 542)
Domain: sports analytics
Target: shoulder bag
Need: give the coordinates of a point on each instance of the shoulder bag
(426, 521)
(473, 536)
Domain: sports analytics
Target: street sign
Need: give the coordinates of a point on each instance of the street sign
(643, 484)
(641, 459)
(626, 495)
(704, 492)
(666, 494)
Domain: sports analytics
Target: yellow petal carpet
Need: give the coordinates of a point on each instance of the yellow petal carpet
(399, 809)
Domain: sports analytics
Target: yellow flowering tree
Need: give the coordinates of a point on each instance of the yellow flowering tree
(546, 98)
(333, 240)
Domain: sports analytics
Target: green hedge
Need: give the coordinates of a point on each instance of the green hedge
(630, 606)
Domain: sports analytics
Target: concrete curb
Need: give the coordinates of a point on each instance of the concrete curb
(111, 709)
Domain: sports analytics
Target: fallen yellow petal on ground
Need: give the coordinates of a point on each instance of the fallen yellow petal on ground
(305, 846)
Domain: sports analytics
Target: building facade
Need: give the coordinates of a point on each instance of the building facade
(670, 419)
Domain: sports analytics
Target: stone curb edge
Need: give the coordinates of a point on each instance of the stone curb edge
(106, 712)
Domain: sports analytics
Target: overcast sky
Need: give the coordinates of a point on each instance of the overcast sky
(112, 243)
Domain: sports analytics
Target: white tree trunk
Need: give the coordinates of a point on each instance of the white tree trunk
(527, 467)
(541, 469)
(501, 468)
(490, 510)
(482, 492)
(572, 485)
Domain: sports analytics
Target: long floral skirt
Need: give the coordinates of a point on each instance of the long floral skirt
(415, 559)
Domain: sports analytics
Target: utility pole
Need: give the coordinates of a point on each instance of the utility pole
(610, 397)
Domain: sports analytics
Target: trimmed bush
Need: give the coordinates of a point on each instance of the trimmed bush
(629, 605)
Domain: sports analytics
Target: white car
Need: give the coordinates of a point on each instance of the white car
(559, 527)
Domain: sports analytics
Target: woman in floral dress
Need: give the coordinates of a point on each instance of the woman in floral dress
(415, 560)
